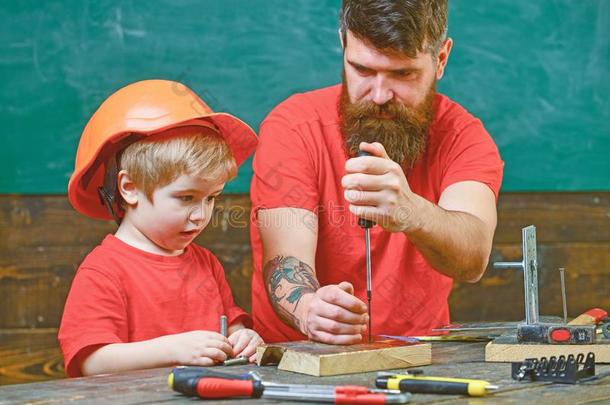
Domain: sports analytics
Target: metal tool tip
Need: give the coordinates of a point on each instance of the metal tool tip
(491, 388)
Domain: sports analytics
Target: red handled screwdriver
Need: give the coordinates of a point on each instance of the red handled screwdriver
(212, 385)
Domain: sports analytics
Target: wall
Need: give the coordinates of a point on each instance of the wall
(534, 71)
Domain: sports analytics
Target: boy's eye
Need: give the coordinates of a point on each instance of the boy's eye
(186, 198)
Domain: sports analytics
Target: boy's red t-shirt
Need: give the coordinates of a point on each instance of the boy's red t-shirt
(299, 163)
(122, 294)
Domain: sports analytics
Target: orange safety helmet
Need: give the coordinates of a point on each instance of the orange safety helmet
(138, 110)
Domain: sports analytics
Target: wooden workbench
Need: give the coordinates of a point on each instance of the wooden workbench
(449, 359)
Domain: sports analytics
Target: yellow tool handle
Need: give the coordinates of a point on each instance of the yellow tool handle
(445, 385)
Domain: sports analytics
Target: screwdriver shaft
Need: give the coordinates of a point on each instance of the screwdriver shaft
(367, 224)
(367, 244)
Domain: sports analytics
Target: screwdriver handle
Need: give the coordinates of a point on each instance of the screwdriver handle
(209, 387)
(217, 387)
(591, 317)
(364, 223)
(181, 375)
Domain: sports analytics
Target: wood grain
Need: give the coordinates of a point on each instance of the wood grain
(29, 355)
(506, 349)
(318, 359)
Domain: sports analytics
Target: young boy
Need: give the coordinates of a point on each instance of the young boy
(153, 157)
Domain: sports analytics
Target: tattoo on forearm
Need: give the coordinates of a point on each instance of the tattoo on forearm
(287, 280)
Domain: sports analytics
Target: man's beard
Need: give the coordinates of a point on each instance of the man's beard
(403, 132)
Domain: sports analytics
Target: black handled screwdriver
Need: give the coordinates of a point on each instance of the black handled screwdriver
(367, 225)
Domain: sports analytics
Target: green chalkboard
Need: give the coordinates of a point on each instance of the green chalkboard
(534, 71)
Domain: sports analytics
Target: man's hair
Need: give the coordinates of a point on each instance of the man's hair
(156, 161)
(405, 26)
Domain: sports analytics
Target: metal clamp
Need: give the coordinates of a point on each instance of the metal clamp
(529, 265)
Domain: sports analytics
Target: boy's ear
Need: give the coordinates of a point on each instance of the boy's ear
(127, 188)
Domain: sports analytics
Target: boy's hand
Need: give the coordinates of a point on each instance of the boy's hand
(198, 348)
(244, 343)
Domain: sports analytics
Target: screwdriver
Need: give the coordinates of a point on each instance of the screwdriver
(367, 225)
(224, 332)
(206, 384)
(415, 383)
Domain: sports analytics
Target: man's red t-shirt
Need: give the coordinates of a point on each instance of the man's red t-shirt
(122, 294)
(299, 163)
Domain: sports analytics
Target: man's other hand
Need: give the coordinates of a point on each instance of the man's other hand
(334, 315)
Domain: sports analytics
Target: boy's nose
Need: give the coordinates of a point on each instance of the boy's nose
(197, 213)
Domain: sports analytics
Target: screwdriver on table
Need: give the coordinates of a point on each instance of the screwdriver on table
(207, 384)
(367, 225)
(416, 383)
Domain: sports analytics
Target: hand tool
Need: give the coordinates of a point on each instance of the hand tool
(208, 385)
(529, 266)
(223, 325)
(181, 374)
(568, 370)
(580, 330)
(591, 317)
(367, 224)
(556, 334)
(534, 331)
(223, 331)
(414, 382)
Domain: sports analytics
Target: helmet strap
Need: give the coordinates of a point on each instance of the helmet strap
(108, 190)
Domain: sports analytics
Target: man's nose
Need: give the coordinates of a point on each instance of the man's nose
(382, 93)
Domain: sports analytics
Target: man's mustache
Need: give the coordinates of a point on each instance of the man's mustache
(371, 110)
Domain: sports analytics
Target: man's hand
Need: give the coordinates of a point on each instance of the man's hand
(454, 236)
(376, 189)
(334, 315)
(244, 342)
(197, 348)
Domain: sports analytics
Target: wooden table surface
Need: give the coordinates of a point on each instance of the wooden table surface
(450, 359)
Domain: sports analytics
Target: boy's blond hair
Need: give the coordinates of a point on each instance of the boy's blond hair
(156, 161)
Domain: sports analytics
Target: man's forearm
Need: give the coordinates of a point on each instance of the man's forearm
(455, 243)
(289, 281)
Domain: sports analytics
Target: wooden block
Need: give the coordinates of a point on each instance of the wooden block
(506, 349)
(319, 359)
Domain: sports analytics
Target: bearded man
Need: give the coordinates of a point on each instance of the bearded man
(430, 182)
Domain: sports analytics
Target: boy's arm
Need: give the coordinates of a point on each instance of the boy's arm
(195, 348)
